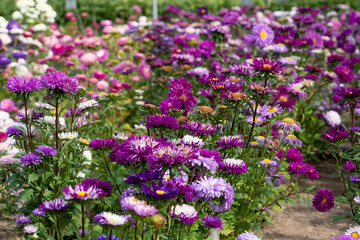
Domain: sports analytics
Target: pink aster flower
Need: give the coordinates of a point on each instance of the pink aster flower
(6, 105)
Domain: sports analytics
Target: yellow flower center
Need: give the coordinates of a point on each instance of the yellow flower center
(261, 137)
(288, 120)
(203, 11)
(160, 192)
(167, 177)
(324, 200)
(288, 58)
(256, 119)
(297, 89)
(280, 44)
(291, 136)
(266, 160)
(267, 66)
(263, 34)
(82, 193)
(111, 220)
(314, 40)
(355, 235)
(272, 109)
(254, 143)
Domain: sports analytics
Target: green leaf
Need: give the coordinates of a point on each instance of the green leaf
(96, 231)
(341, 199)
(337, 218)
(32, 177)
(27, 193)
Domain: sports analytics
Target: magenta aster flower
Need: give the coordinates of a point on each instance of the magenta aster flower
(212, 221)
(324, 200)
(232, 165)
(161, 120)
(185, 213)
(263, 35)
(30, 158)
(336, 134)
(103, 185)
(58, 204)
(230, 18)
(38, 212)
(266, 65)
(294, 155)
(59, 81)
(46, 150)
(102, 143)
(230, 141)
(171, 103)
(199, 128)
(113, 219)
(352, 92)
(22, 85)
(13, 131)
(349, 165)
(82, 192)
(145, 70)
(209, 159)
(344, 73)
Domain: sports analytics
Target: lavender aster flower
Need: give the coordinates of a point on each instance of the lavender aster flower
(82, 192)
(22, 85)
(332, 118)
(230, 18)
(288, 124)
(46, 150)
(145, 210)
(324, 200)
(353, 232)
(30, 229)
(100, 143)
(207, 158)
(57, 204)
(23, 219)
(263, 35)
(103, 237)
(30, 158)
(38, 212)
(59, 81)
(212, 221)
(111, 219)
(247, 236)
(161, 120)
(229, 141)
(199, 128)
(336, 134)
(232, 165)
(185, 213)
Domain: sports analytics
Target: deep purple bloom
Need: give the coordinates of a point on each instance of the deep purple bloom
(336, 134)
(104, 237)
(349, 165)
(266, 65)
(202, 10)
(232, 165)
(143, 177)
(161, 120)
(324, 200)
(344, 73)
(22, 85)
(46, 150)
(230, 141)
(100, 143)
(57, 204)
(103, 185)
(13, 131)
(354, 178)
(199, 128)
(59, 81)
(30, 158)
(23, 219)
(294, 155)
(162, 190)
(230, 18)
(19, 54)
(212, 221)
(263, 35)
(351, 92)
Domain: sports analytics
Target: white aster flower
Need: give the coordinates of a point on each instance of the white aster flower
(332, 118)
(68, 135)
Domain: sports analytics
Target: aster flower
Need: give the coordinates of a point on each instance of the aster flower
(261, 139)
(229, 141)
(145, 210)
(88, 104)
(293, 140)
(59, 81)
(38, 212)
(199, 128)
(268, 162)
(143, 177)
(212, 221)
(14, 131)
(161, 120)
(82, 192)
(357, 199)
(130, 202)
(332, 118)
(349, 165)
(58, 204)
(30, 229)
(162, 190)
(185, 213)
(265, 65)
(295, 89)
(280, 48)
(262, 34)
(354, 178)
(268, 111)
(288, 60)
(288, 124)
(258, 120)
(104, 237)
(30, 158)
(232, 165)
(46, 150)
(336, 134)
(345, 74)
(294, 155)
(103, 185)
(102, 143)
(230, 18)
(22, 85)
(350, 93)
(207, 158)
(113, 219)
(68, 135)
(324, 200)
(192, 141)
(247, 236)
(353, 232)
(22, 219)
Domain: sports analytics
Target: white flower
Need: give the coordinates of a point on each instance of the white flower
(121, 136)
(16, 31)
(353, 231)
(184, 210)
(30, 229)
(17, 15)
(140, 103)
(139, 91)
(111, 218)
(80, 175)
(357, 199)
(51, 120)
(87, 154)
(139, 126)
(88, 104)
(68, 135)
(332, 118)
(138, 97)
(39, 27)
(193, 141)
(44, 105)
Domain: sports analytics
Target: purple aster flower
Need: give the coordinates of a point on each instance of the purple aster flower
(38, 212)
(13, 131)
(100, 143)
(268, 162)
(232, 165)
(344, 73)
(59, 81)
(324, 200)
(162, 190)
(46, 150)
(288, 60)
(202, 10)
(294, 155)
(82, 192)
(22, 85)
(349, 165)
(247, 236)
(124, 67)
(212, 221)
(113, 219)
(103, 185)
(297, 168)
(263, 35)
(266, 65)
(268, 111)
(315, 39)
(350, 93)
(354, 178)
(353, 232)
(207, 158)
(288, 124)
(31, 158)
(171, 103)
(185, 213)
(161, 120)
(180, 88)
(199, 128)
(30, 229)
(143, 177)
(57, 204)
(170, 154)
(104, 237)
(336, 134)
(145, 210)
(229, 141)
(23, 219)
(230, 18)
(311, 172)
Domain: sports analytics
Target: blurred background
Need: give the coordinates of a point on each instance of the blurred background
(111, 9)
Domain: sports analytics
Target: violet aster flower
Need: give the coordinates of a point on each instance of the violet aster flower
(349, 93)
(13, 131)
(30, 158)
(202, 10)
(46, 150)
(170, 154)
(232, 165)
(104, 237)
(229, 141)
(124, 67)
(171, 103)
(102, 143)
(185, 213)
(247, 236)
(103, 185)
(82, 192)
(143, 177)
(113, 219)
(57, 204)
(349, 165)
(192, 141)
(230, 18)
(59, 81)
(162, 190)
(161, 120)
(22, 85)
(268, 162)
(145, 210)
(212, 221)
(353, 232)
(266, 65)
(30, 229)
(324, 200)
(288, 124)
(345, 237)
(294, 155)
(23, 219)
(207, 158)
(354, 178)
(38, 212)
(199, 128)
(263, 35)
(336, 134)
(344, 73)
